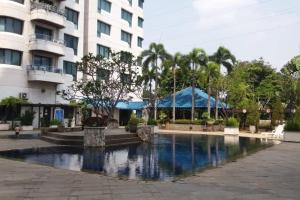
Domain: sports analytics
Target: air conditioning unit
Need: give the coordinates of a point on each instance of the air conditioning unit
(23, 96)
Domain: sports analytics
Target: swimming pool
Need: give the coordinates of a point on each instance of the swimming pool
(168, 157)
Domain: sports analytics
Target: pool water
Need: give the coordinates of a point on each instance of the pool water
(168, 157)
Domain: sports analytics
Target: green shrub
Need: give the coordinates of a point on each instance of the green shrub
(219, 122)
(27, 118)
(292, 125)
(188, 121)
(55, 122)
(232, 122)
(163, 118)
(152, 122)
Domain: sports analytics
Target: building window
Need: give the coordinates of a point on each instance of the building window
(43, 33)
(130, 2)
(103, 74)
(10, 57)
(70, 68)
(72, 16)
(126, 37)
(103, 51)
(12, 25)
(140, 22)
(140, 42)
(104, 5)
(141, 3)
(102, 28)
(71, 42)
(42, 62)
(127, 16)
(19, 1)
(77, 1)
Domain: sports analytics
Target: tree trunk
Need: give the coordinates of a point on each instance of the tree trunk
(193, 95)
(208, 100)
(155, 92)
(217, 103)
(174, 94)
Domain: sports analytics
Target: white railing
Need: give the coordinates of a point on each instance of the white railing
(45, 69)
(45, 37)
(47, 7)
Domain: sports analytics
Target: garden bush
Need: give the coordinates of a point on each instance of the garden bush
(232, 122)
(27, 118)
(55, 122)
(293, 125)
(152, 122)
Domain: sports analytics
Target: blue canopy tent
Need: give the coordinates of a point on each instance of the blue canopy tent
(184, 100)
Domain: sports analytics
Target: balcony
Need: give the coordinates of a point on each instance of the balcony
(47, 74)
(46, 43)
(46, 13)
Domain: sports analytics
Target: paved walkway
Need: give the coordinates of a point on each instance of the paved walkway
(272, 174)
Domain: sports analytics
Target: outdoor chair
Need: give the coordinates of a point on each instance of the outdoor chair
(278, 132)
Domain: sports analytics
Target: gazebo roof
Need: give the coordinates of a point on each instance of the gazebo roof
(184, 100)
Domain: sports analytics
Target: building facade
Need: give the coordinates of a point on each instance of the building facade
(41, 40)
(113, 24)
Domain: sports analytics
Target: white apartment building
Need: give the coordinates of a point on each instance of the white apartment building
(113, 24)
(41, 40)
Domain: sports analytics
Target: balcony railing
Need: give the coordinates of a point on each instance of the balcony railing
(47, 7)
(45, 37)
(45, 69)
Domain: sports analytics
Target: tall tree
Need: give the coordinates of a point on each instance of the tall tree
(153, 58)
(212, 73)
(106, 82)
(197, 58)
(225, 58)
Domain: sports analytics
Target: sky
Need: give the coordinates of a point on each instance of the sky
(250, 29)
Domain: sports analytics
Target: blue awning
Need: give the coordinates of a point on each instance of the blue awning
(132, 105)
(184, 100)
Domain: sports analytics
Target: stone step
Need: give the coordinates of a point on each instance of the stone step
(127, 135)
(122, 141)
(64, 136)
(61, 141)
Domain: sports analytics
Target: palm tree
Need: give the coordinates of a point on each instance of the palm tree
(225, 58)
(175, 61)
(152, 56)
(211, 71)
(197, 57)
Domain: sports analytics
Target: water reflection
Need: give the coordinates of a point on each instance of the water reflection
(166, 157)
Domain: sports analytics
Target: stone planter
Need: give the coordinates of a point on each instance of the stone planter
(231, 131)
(44, 130)
(94, 136)
(133, 128)
(27, 128)
(4, 127)
(292, 137)
(252, 129)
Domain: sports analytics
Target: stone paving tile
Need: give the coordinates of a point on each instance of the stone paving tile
(272, 174)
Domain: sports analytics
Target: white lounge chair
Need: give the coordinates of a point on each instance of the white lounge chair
(278, 132)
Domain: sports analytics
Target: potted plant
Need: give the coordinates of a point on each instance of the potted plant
(163, 119)
(253, 116)
(54, 123)
(232, 126)
(133, 123)
(27, 120)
